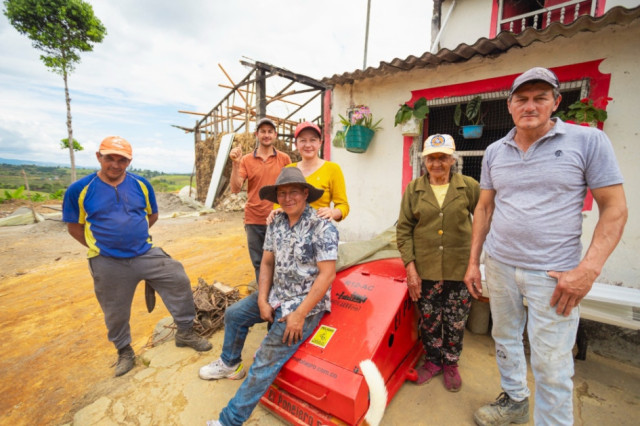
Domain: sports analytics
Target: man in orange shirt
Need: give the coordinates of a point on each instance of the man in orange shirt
(260, 167)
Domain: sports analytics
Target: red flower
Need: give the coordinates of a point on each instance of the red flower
(602, 102)
(584, 100)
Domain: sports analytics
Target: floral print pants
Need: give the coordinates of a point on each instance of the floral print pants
(444, 308)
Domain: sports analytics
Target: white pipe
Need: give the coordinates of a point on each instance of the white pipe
(442, 27)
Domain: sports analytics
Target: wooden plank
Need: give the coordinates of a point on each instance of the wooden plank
(269, 98)
(221, 159)
(194, 113)
(231, 81)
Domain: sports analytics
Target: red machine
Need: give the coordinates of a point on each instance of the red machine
(372, 318)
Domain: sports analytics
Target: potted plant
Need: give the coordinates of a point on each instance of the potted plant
(473, 114)
(586, 111)
(410, 118)
(359, 128)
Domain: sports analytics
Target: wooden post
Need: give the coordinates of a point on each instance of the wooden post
(26, 185)
(261, 94)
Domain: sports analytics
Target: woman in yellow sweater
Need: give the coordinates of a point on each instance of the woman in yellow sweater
(319, 173)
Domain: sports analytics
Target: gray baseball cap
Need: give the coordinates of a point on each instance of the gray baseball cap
(535, 74)
(266, 120)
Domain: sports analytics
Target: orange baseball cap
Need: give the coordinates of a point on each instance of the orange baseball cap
(116, 145)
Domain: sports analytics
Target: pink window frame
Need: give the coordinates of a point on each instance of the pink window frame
(599, 86)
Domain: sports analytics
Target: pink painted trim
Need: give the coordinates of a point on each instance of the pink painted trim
(599, 87)
(407, 170)
(494, 19)
(326, 108)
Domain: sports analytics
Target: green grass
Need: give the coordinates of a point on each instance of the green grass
(50, 180)
(170, 183)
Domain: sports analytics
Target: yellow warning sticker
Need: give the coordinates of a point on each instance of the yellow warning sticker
(322, 336)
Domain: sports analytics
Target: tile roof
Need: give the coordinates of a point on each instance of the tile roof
(485, 47)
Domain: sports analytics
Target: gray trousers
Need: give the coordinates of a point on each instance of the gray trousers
(115, 281)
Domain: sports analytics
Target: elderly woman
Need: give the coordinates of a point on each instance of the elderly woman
(319, 173)
(434, 239)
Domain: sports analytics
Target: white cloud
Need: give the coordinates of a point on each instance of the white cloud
(162, 56)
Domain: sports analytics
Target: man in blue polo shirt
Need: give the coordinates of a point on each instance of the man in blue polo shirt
(110, 212)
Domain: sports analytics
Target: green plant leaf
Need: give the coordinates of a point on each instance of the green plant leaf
(601, 115)
(457, 114)
(421, 112)
(473, 110)
(376, 126)
(17, 194)
(344, 121)
(420, 103)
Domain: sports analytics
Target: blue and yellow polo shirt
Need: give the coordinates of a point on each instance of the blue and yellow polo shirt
(115, 219)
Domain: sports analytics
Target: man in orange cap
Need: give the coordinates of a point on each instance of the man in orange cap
(110, 212)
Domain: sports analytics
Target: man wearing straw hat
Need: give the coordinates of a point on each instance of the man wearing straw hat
(298, 267)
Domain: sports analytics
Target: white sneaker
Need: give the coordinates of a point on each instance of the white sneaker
(213, 423)
(219, 370)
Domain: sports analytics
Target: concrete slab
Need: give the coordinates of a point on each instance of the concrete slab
(164, 389)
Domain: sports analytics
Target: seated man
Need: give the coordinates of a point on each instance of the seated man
(297, 269)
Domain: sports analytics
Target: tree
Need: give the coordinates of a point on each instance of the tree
(64, 144)
(61, 29)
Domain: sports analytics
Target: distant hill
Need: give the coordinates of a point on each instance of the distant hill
(35, 163)
(50, 178)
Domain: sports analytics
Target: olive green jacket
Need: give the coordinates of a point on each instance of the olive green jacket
(437, 239)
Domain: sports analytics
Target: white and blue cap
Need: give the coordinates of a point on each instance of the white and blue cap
(533, 75)
(439, 143)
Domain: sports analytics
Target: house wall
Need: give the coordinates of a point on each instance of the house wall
(469, 21)
(374, 178)
(629, 4)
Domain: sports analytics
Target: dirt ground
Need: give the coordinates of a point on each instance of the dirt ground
(54, 348)
(56, 365)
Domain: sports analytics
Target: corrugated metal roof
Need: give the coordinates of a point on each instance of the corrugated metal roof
(484, 47)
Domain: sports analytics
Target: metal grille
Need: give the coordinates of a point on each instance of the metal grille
(497, 123)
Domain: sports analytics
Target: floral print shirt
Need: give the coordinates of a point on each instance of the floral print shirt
(297, 251)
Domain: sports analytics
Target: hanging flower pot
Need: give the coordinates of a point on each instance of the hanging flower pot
(410, 117)
(473, 131)
(412, 127)
(357, 138)
(473, 113)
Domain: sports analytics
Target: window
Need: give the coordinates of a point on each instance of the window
(578, 81)
(497, 123)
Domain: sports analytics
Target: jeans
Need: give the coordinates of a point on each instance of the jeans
(270, 358)
(255, 242)
(551, 337)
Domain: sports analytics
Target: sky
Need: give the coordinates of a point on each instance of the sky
(162, 56)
